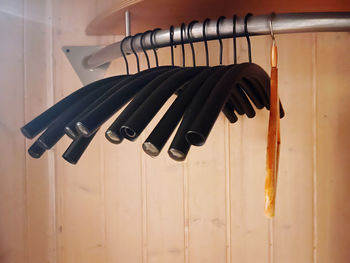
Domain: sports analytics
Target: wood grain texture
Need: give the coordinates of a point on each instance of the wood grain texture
(293, 223)
(247, 165)
(333, 144)
(123, 192)
(161, 13)
(40, 240)
(119, 205)
(165, 226)
(206, 185)
(80, 197)
(13, 216)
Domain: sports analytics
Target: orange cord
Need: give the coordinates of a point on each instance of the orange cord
(273, 139)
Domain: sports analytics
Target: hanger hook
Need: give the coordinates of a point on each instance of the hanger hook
(133, 51)
(123, 53)
(189, 30)
(234, 22)
(153, 47)
(143, 47)
(171, 32)
(219, 37)
(206, 21)
(271, 29)
(183, 28)
(247, 36)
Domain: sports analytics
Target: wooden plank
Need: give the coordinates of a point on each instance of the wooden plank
(40, 240)
(80, 194)
(206, 185)
(12, 156)
(247, 168)
(164, 187)
(123, 193)
(248, 147)
(168, 12)
(333, 144)
(293, 223)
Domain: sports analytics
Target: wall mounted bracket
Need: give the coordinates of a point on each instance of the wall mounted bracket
(76, 56)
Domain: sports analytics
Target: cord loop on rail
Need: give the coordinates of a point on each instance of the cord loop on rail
(247, 35)
(133, 51)
(123, 54)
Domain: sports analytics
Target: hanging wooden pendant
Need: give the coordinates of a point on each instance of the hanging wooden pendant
(273, 139)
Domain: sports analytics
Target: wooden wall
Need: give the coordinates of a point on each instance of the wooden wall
(119, 205)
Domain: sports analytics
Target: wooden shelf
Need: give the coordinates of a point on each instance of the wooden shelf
(148, 14)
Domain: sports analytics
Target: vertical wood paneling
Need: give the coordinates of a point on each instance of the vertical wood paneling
(37, 83)
(206, 173)
(13, 159)
(293, 231)
(227, 60)
(123, 194)
(247, 164)
(333, 144)
(80, 208)
(206, 168)
(165, 227)
(119, 205)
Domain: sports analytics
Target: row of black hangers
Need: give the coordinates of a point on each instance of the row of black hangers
(202, 93)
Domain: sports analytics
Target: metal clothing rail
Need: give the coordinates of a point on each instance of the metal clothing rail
(257, 25)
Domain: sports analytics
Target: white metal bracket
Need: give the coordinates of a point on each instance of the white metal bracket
(76, 55)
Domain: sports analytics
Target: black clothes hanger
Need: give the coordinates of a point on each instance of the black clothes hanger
(57, 129)
(123, 54)
(236, 100)
(165, 127)
(219, 37)
(153, 46)
(79, 145)
(76, 149)
(57, 115)
(239, 101)
(41, 122)
(90, 122)
(114, 132)
(133, 51)
(161, 133)
(110, 134)
(247, 36)
(179, 147)
(183, 26)
(35, 150)
(228, 109)
(80, 102)
(202, 92)
(149, 108)
(206, 21)
(205, 120)
(70, 128)
(171, 37)
(189, 30)
(95, 118)
(230, 82)
(143, 47)
(234, 19)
